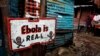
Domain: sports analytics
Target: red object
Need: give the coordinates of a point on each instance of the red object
(31, 7)
(97, 26)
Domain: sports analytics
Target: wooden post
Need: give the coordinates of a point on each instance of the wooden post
(4, 9)
(79, 17)
(43, 8)
(2, 39)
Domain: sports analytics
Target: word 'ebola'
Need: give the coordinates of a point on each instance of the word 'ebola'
(26, 30)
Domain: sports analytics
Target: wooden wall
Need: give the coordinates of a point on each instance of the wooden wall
(97, 2)
(81, 16)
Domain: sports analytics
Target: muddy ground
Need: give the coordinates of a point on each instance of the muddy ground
(84, 44)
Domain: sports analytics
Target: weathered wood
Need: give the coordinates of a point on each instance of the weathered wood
(3, 3)
(97, 2)
(43, 8)
(5, 15)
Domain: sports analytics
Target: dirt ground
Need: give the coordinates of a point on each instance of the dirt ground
(83, 45)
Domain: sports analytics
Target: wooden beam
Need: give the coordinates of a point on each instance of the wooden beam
(43, 8)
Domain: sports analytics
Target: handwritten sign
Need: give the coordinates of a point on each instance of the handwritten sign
(23, 33)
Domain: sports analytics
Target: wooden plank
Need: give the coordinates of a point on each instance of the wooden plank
(2, 39)
(3, 3)
(43, 8)
(97, 2)
(4, 15)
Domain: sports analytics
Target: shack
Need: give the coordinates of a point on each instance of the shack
(62, 10)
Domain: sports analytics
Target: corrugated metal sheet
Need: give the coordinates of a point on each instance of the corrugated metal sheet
(13, 8)
(60, 40)
(63, 10)
(16, 8)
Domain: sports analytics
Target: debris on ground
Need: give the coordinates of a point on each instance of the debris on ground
(83, 45)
